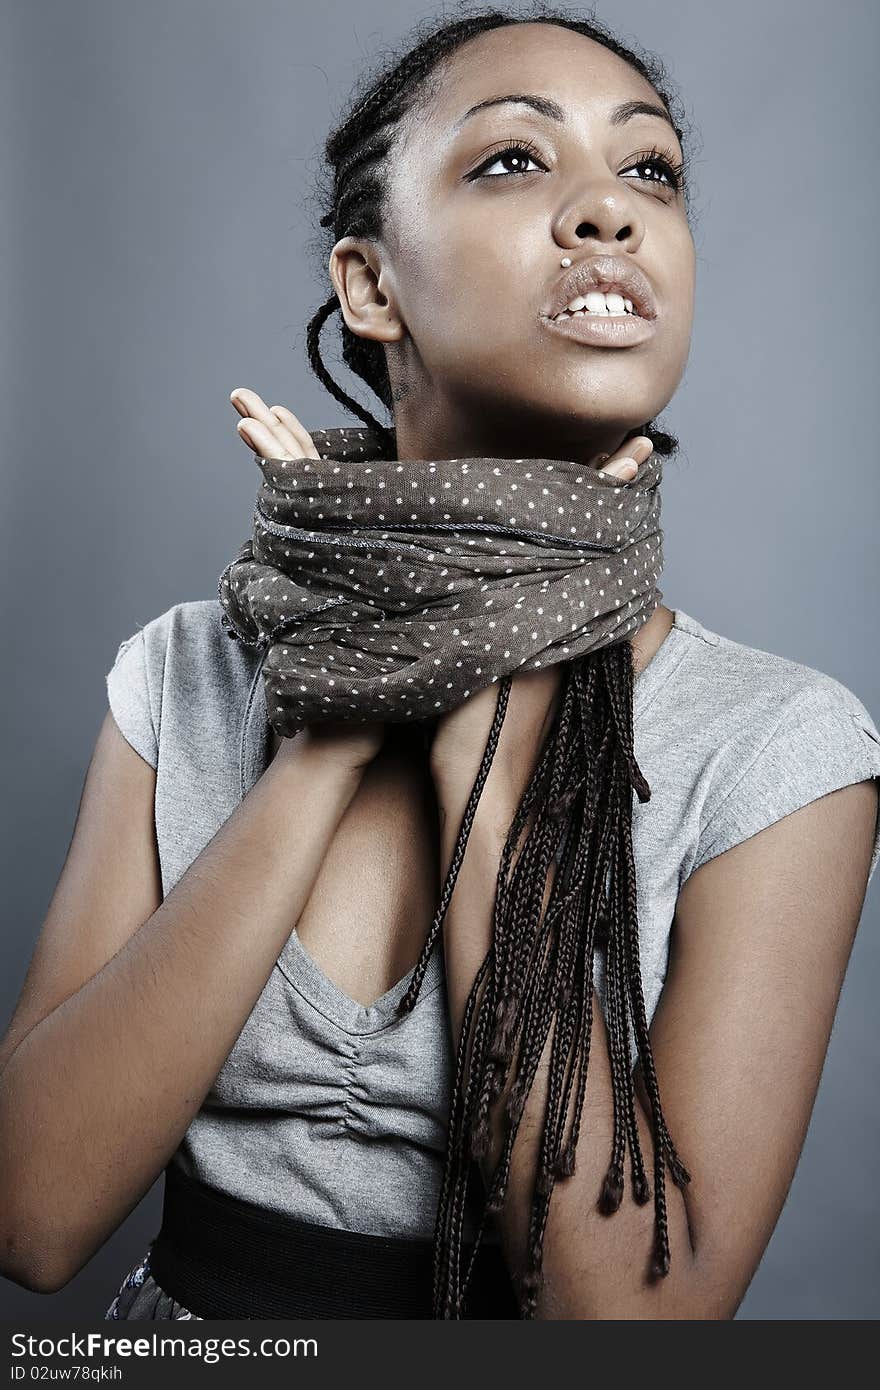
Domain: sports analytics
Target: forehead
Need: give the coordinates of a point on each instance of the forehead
(580, 74)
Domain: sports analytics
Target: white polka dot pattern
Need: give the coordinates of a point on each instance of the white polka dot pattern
(392, 590)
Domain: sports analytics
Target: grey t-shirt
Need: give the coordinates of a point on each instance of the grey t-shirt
(336, 1113)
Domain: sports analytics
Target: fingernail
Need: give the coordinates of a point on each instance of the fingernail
(642, 448)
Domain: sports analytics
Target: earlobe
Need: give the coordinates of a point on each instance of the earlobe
(368, 311)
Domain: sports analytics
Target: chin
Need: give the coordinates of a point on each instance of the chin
(589, 410)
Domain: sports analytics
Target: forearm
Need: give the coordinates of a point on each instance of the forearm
(594, 1266)
(97, 1096)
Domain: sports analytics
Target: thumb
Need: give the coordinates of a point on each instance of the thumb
(624, 462)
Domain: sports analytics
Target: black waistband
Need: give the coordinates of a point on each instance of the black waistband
(222, 1257)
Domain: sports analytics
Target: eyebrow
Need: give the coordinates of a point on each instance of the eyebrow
(546, 106)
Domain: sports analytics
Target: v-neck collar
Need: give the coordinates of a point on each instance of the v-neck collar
(303, 972)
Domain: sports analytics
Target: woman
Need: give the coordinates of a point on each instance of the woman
(302, 1119)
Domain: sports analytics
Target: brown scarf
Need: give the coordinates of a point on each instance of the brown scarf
(392, 590)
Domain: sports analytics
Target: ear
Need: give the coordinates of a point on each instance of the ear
(360, 282)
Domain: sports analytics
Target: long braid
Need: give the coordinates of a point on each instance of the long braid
(542, 997)
(496, 1053)
(573, 822)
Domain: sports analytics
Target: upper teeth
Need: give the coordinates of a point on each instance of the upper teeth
(598, 303)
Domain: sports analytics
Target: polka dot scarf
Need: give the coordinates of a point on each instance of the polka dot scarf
(392, 590)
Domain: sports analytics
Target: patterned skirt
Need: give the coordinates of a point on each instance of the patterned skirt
(140, 1296)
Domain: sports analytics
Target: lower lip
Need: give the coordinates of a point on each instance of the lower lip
(617, 330)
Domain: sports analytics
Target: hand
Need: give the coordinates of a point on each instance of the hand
(276, 433)
(271, 432)
(350, 747)
(460, 737)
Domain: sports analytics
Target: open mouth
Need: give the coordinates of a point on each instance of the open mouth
(596, 304)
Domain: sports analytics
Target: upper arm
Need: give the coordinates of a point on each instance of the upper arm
(109, 885)
(760, 943)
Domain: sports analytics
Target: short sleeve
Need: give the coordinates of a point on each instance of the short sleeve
(129, 697)
(817, 747)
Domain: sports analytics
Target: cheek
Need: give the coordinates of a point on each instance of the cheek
(675, 340)
(681, 296)
(459, 316)
(468, 285)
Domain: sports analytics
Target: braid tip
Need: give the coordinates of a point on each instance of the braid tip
(515, 1103)
(505, 1017)
(498, 1047)
(643, 791)
(532, 1282)
(565, 1163)
(495, 1203)
(680, 1175)
(612, 1191)
(660, 1261)
(407, 1003)
(641, 1189)
(479, 1138)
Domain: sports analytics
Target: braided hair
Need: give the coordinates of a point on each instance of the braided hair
(576, 811)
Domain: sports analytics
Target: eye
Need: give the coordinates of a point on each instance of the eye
(672, 170)
(666, 171)
(524, 151)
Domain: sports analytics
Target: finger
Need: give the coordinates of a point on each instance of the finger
(297, 431)
(288, 428)
(291, 443)
(254, 411)
(624, 462)
(248, 403)
(286, 440)
(263, 441)
(624, 468)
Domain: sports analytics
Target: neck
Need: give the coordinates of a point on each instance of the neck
(431, 434)
(651, 636)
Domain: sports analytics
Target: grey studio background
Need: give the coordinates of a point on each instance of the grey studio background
(156, 163)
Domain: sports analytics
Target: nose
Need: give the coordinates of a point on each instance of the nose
(610, 219)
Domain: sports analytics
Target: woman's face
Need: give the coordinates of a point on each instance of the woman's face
(471, 257)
